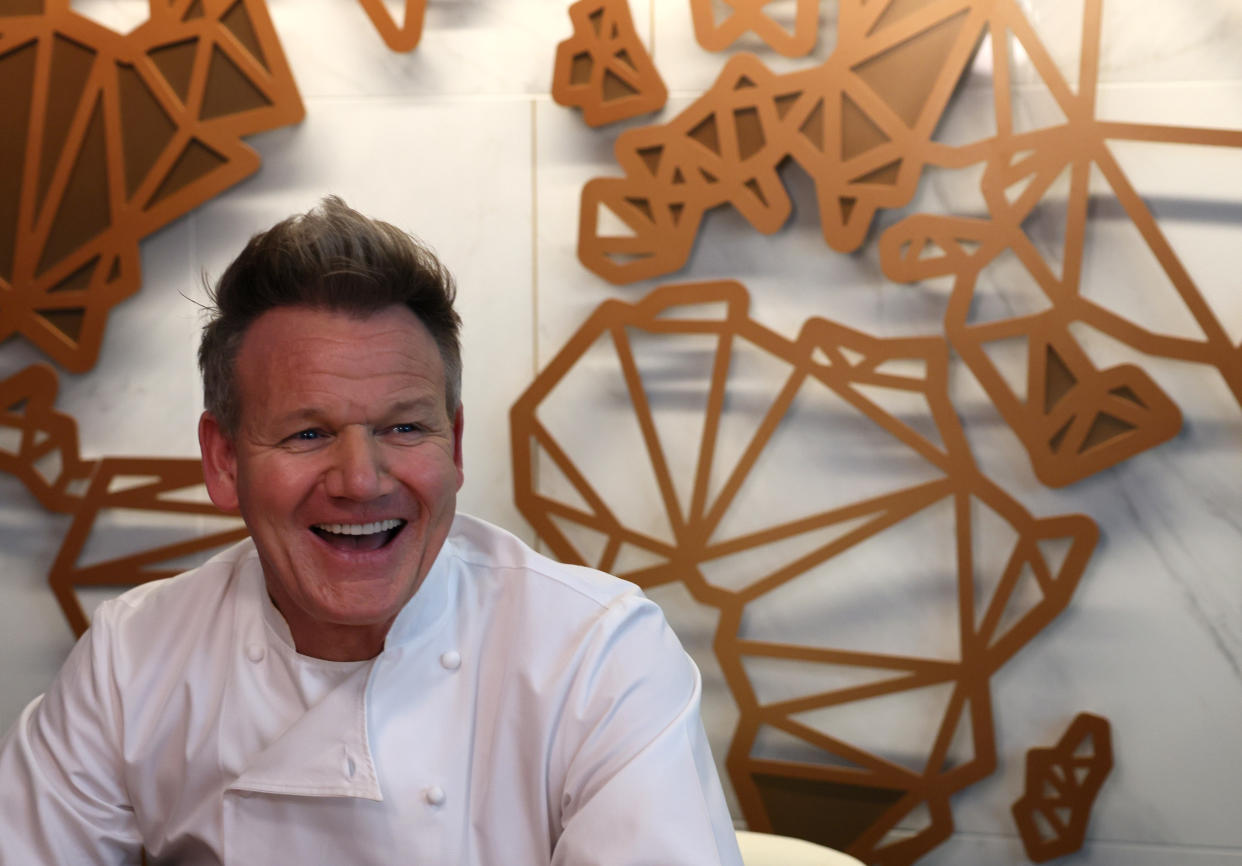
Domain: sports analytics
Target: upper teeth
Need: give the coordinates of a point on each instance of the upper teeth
(358, 528)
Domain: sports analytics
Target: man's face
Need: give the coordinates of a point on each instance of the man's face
(345, 468)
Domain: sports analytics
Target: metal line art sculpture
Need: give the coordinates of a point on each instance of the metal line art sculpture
(110, 137)
(45, 458)
(860, 125)
(168, 524)
(717, 34)
(403, 37)
(913, 531)
(604, 68)
(1074, 419)
(1061, 786)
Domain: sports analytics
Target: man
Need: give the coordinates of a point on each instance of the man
(370, 678)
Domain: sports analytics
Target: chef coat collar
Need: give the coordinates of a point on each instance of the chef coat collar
(326, 752)
(419, 616)
(417, 621)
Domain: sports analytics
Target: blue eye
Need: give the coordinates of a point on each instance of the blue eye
(306, 435)
(405, 428)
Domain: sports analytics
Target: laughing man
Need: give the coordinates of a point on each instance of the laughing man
(371, 677)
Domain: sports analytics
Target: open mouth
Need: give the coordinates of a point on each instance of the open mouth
(359, 536)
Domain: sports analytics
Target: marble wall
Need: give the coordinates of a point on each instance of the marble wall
(460, 142)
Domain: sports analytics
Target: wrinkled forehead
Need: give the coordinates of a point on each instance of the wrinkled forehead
(310, 354)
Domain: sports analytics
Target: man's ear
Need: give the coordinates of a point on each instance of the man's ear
(459, 421)
(219, 463)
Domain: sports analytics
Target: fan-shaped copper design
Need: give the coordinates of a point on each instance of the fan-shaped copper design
(739, 544)
(110, 137)
(860, 125)
(1061, 786)
(604, 69)
(748, 16)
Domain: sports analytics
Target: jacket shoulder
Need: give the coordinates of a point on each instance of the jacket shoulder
(491, 551)
(160, 615)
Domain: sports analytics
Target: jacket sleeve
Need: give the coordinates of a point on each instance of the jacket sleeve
(62, 793)
(640, 785)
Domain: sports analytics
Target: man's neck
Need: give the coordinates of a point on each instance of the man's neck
(333, 642)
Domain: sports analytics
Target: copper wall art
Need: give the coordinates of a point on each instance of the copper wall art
(1073, 418)
(604, 68)
(1061, 786)
(864, 138)
(44, 455)
(898, 492)
(859, 124)
(110, 137)
(749, 16)
(398, 37)
(135, 519)
(166, 526)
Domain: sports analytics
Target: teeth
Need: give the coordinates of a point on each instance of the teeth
(359, 528)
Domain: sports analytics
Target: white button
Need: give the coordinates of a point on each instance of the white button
(451, 660)
(255, 652)
(434, 795)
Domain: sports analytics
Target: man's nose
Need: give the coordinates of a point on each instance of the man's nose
(359, 470)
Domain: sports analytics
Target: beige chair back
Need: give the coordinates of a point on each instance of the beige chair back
(766, 849)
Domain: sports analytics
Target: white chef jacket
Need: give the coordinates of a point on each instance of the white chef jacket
(522, 712)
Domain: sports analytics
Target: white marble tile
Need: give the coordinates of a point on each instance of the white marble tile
(568, 153)
(146, 368)
(33, 633)
(468, 47)
(1153, 42)
(969, 848)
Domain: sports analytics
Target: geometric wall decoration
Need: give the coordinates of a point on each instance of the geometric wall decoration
(135, 519)
(851, 734)
(860, 125)
(748, 16)
(44, 453)
(141, 519)
(109, 137)
(1061, 786)
(604, 68)
(1073, 419)
(398, 38)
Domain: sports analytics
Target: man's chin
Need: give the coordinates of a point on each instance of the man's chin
(358, 608)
